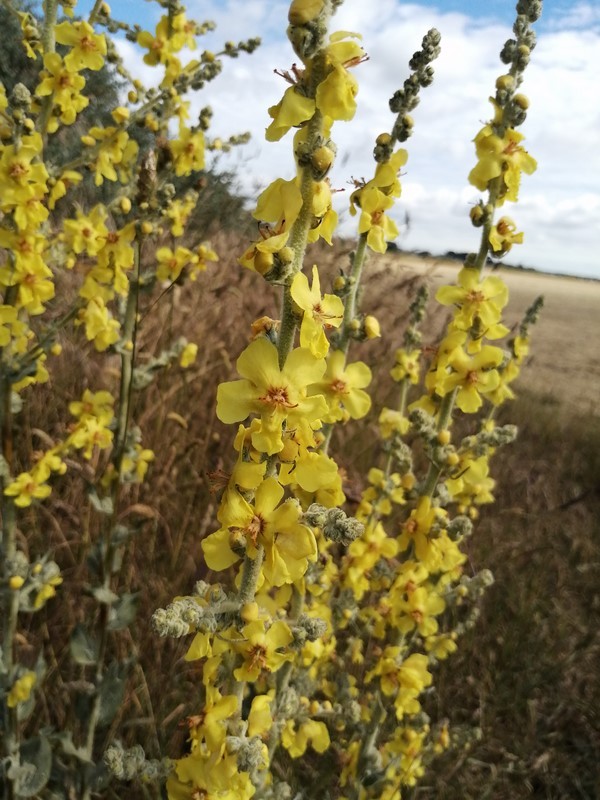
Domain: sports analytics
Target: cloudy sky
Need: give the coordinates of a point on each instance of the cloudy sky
(559, 207)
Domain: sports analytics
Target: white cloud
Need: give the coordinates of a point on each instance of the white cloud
(559, 205)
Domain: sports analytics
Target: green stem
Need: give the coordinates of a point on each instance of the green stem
(49, 46)
(94, 12)
(9, 550)
(123, 416)
(354, 277)
(250, 575)
(435, 470)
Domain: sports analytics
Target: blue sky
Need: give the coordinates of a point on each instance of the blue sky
(559, 208)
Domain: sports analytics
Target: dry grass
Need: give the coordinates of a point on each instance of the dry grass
(528, 674)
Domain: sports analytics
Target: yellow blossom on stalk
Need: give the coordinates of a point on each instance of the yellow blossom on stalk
(407, 365)
(117, 151)
(20, 691)
(473, 483)
(64, 84)
(8, 316)
(363, 555)
(319, 312)
(208, 727)
(21, 178)
(288, 544)
(476, 299)
(417, 527)
(343, 388)
(87, 48)
(293, 109)
(204, 253)
(503, 235)
(26, 488)
(262, 649)
(209, 776)
(472, 376)
(392, 422)
(178, 212)
(89, 433)
(31, 36)
(188, 355)
(279, 204)
(311, 732)
(86, 232)
(47, 591)
(383, 491)
(188, 151)
(99, 324)
(374, 221)
(325, 218)
(276, 395)
(67, 178)
(260, 720)
(501, 157)
(314, 477)
(417, 607)
(170, 264)
(335, 96)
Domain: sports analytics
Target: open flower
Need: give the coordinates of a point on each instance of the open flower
(319, 312)
(275, 395)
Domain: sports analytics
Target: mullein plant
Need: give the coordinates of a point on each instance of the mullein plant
(120, 252)
(316, 647)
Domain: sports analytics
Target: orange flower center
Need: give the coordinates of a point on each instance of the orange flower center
(471, 377)
(87, 44)
(255, 527)
(257, 657)
(17, 170)
(277, 397)
(338, 386)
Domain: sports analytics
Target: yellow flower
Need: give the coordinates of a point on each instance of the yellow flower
(373, 219)
(21, 689)
(188, 151)
(343, 388)
(472, 376)
(64, 84)
(25, 488)
(87, 48)
(319, 312)
(311, 732)
(407, 365)
(293, 109)
(276, 395)
(171, 264)
(503, 235)
(262, 649)
(276, 526)
(86, 232)
(476, 299)
(188, 355)
(21, 178)
(99, 324)
(501, 157)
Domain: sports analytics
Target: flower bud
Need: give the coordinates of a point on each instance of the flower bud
(372, 327)
(303, 11)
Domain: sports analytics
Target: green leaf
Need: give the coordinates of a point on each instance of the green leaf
(65, 741)
(34, 771)
(103, 505)
(104, 595)
(112, 691)
(84, 647)
(123, 612)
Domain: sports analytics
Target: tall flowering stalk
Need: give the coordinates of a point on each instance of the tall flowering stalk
(118, 256)
(316, 648)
